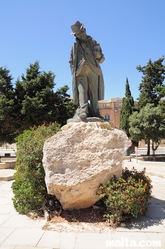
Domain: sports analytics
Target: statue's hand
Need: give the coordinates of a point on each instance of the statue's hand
(97, 55)
(102, 59)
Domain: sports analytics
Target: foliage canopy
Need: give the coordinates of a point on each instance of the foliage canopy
(147, 120)
(29, 186)
(32, 102)
(148, 124)
(152, 80)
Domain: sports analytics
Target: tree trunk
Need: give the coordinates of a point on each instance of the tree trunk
(153, 149)
(148, 147)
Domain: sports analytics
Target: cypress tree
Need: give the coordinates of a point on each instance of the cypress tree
(126, 109)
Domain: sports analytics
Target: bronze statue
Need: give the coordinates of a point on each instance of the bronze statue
(87, 78)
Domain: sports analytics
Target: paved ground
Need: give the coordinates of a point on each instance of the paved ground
(20, 232)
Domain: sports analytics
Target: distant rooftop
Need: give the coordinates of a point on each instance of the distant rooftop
(117, 99)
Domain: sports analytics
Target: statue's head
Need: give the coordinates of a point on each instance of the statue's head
(79, 31)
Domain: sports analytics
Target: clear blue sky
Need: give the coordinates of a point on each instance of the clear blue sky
(130, 32)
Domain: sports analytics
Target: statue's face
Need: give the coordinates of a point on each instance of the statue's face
(81, 35)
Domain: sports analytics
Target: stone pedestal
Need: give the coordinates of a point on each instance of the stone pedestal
(80, 157)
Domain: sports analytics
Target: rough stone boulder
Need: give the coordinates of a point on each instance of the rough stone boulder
(80, 157)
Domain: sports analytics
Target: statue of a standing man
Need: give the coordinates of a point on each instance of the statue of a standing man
(87, 78)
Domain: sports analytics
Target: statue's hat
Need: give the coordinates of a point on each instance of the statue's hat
(76, 27)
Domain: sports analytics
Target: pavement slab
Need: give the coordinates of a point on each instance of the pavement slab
(7, 174)
(20, 221)
(24, 237)
(157, 239)
(92, 240)
(4, 218)
(32, 247)
(5, 200)
(5, 233)
(5, 209)
(49, 239)
(68, 240)
(152, 168)
(7, 247)
(127, 239)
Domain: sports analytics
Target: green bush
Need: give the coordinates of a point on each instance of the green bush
(29, 186)
(127, 196)
(106, 126)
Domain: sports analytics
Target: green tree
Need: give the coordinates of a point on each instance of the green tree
(32, 102)
(126, 109)
(152, 79)
(148, 124)
(37, 103)
(151, 92)
(161, 91)
(7, 127)
(64, 105)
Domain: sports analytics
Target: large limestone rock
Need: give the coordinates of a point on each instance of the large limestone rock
(80, 157)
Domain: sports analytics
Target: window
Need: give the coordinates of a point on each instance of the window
(107, 117)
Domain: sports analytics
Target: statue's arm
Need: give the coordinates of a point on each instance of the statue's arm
(99, 56)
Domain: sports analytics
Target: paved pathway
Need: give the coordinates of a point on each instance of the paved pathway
(20, 232)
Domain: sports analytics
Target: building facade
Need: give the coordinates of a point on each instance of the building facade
(110, 110)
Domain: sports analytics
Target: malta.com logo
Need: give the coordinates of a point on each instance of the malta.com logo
(126, 243)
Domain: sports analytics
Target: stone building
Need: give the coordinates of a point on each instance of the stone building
(110, 110)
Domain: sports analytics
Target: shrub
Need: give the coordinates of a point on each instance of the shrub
(106, 126)
(29, 186)
(127, 196)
